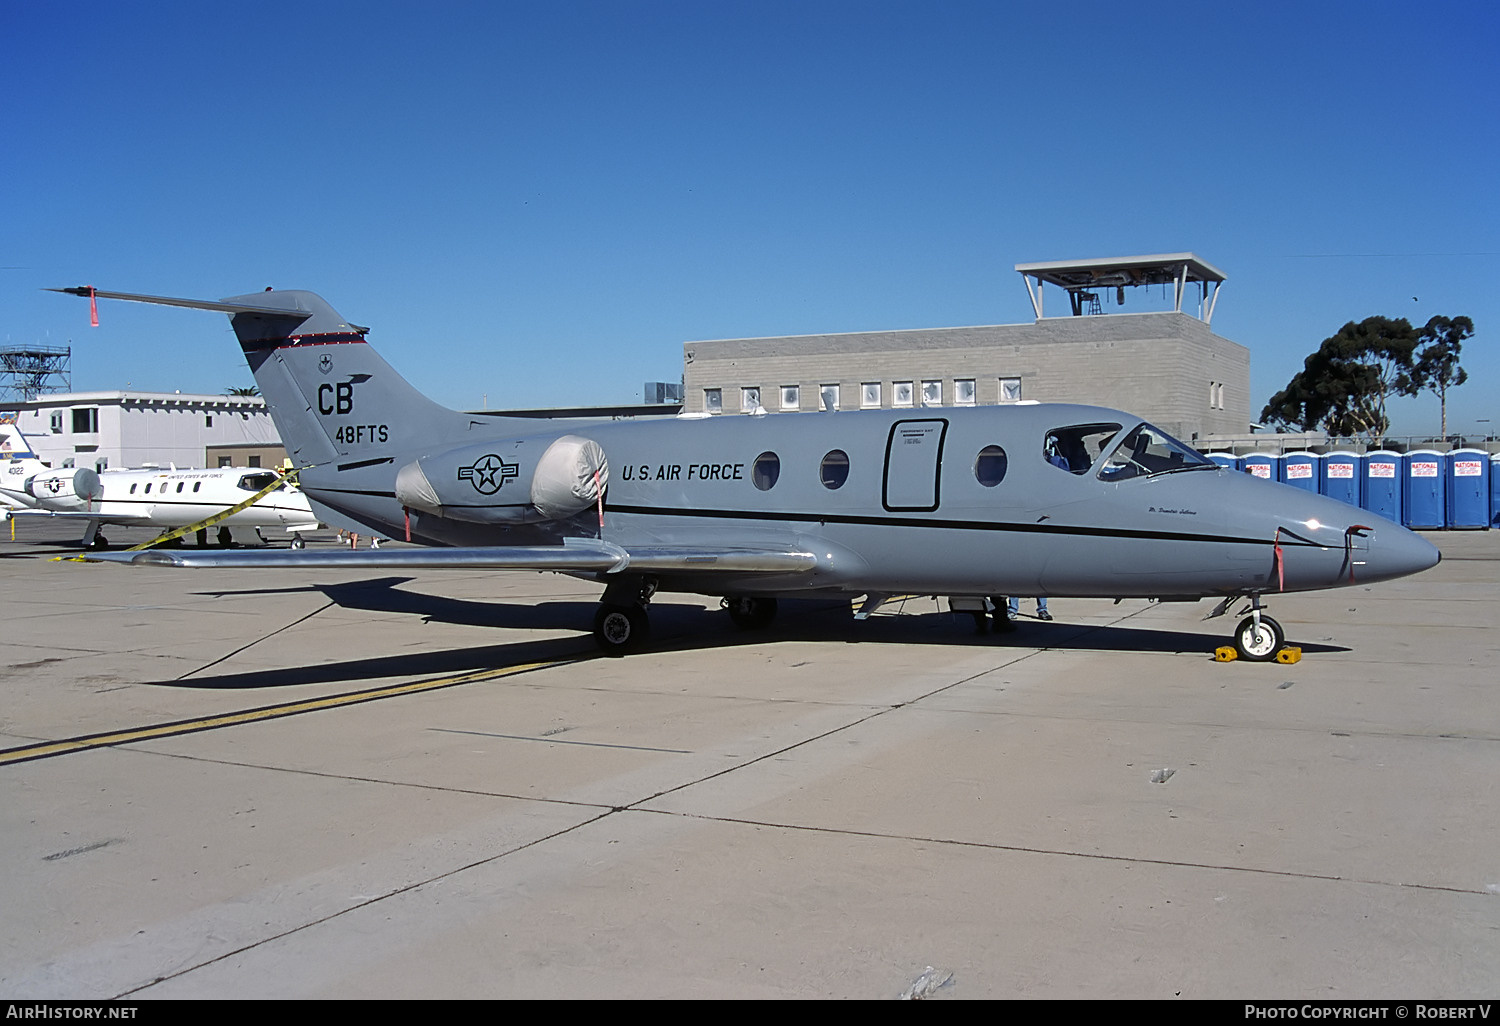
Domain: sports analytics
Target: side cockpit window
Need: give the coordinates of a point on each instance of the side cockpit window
(1077, 449)
(1146, 451)
(255, 482)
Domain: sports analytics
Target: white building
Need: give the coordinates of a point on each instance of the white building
(137, 429)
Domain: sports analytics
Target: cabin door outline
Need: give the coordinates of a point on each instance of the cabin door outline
(914, 465)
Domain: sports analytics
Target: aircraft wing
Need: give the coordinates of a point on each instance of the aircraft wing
(122, 519)
(577, 557)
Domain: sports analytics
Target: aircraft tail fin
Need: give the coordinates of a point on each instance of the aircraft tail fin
(333, 398)
(13, 444)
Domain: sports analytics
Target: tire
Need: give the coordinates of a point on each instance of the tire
(750, 612)
(620, 629)
(1259, 646)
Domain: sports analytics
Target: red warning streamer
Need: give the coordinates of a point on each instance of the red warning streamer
(599, 493)
(93, 308)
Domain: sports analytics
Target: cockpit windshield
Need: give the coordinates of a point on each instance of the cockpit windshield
(255, 482)
(1146, 451)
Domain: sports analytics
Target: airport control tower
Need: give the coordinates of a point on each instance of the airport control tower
(28, 372)
(1086, 280)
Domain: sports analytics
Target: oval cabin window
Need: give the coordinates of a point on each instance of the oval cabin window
(835, 469)
(766, 470)
(990, 465)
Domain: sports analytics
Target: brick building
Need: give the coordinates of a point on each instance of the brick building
(1167, 366)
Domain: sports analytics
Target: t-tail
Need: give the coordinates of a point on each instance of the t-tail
(333, 398)
(13, 444)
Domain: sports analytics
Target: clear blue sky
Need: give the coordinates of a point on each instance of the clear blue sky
(539, 202)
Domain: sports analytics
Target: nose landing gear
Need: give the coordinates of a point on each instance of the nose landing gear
(1258, 637)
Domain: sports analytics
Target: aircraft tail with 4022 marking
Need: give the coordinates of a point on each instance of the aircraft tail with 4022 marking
(970, 503)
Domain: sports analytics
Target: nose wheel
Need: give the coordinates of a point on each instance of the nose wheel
(1258, 638)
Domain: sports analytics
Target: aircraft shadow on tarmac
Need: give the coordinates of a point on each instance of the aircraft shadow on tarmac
(678, 627)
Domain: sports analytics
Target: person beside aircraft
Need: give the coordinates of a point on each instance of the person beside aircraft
(1041, 607)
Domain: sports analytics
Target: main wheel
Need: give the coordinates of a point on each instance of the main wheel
(1000, 610)
(750, 612)
(620, 629)
(298, 542)
(1259, 644)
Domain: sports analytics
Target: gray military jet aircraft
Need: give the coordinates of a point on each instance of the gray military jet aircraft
(1055, 500)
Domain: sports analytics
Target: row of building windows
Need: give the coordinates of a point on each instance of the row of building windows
(903, 394)
(85, 421)
(989, 468)
(872, 395)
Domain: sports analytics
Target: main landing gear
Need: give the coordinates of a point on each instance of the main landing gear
(621, 624)
(750, 612)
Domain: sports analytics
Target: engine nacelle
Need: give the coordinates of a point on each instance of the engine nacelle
(65, 489)
(513, 481)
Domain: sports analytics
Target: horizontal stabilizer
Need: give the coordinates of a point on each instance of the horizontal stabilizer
(584, 557)
(192, 304)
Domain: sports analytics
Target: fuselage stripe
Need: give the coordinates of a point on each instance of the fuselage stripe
(776, 516)
(941, 524)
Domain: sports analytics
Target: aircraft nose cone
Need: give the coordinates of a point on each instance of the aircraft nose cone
(1397, 552)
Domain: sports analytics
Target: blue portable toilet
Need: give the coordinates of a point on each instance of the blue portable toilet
(1342, 476)
(1468, 488)
(1381, 493)
(1300, 470)
(1422, 488)
(1494, 491)
(1260, 464)
(1225, 459)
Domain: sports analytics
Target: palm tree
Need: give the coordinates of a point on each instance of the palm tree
(247, 390)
